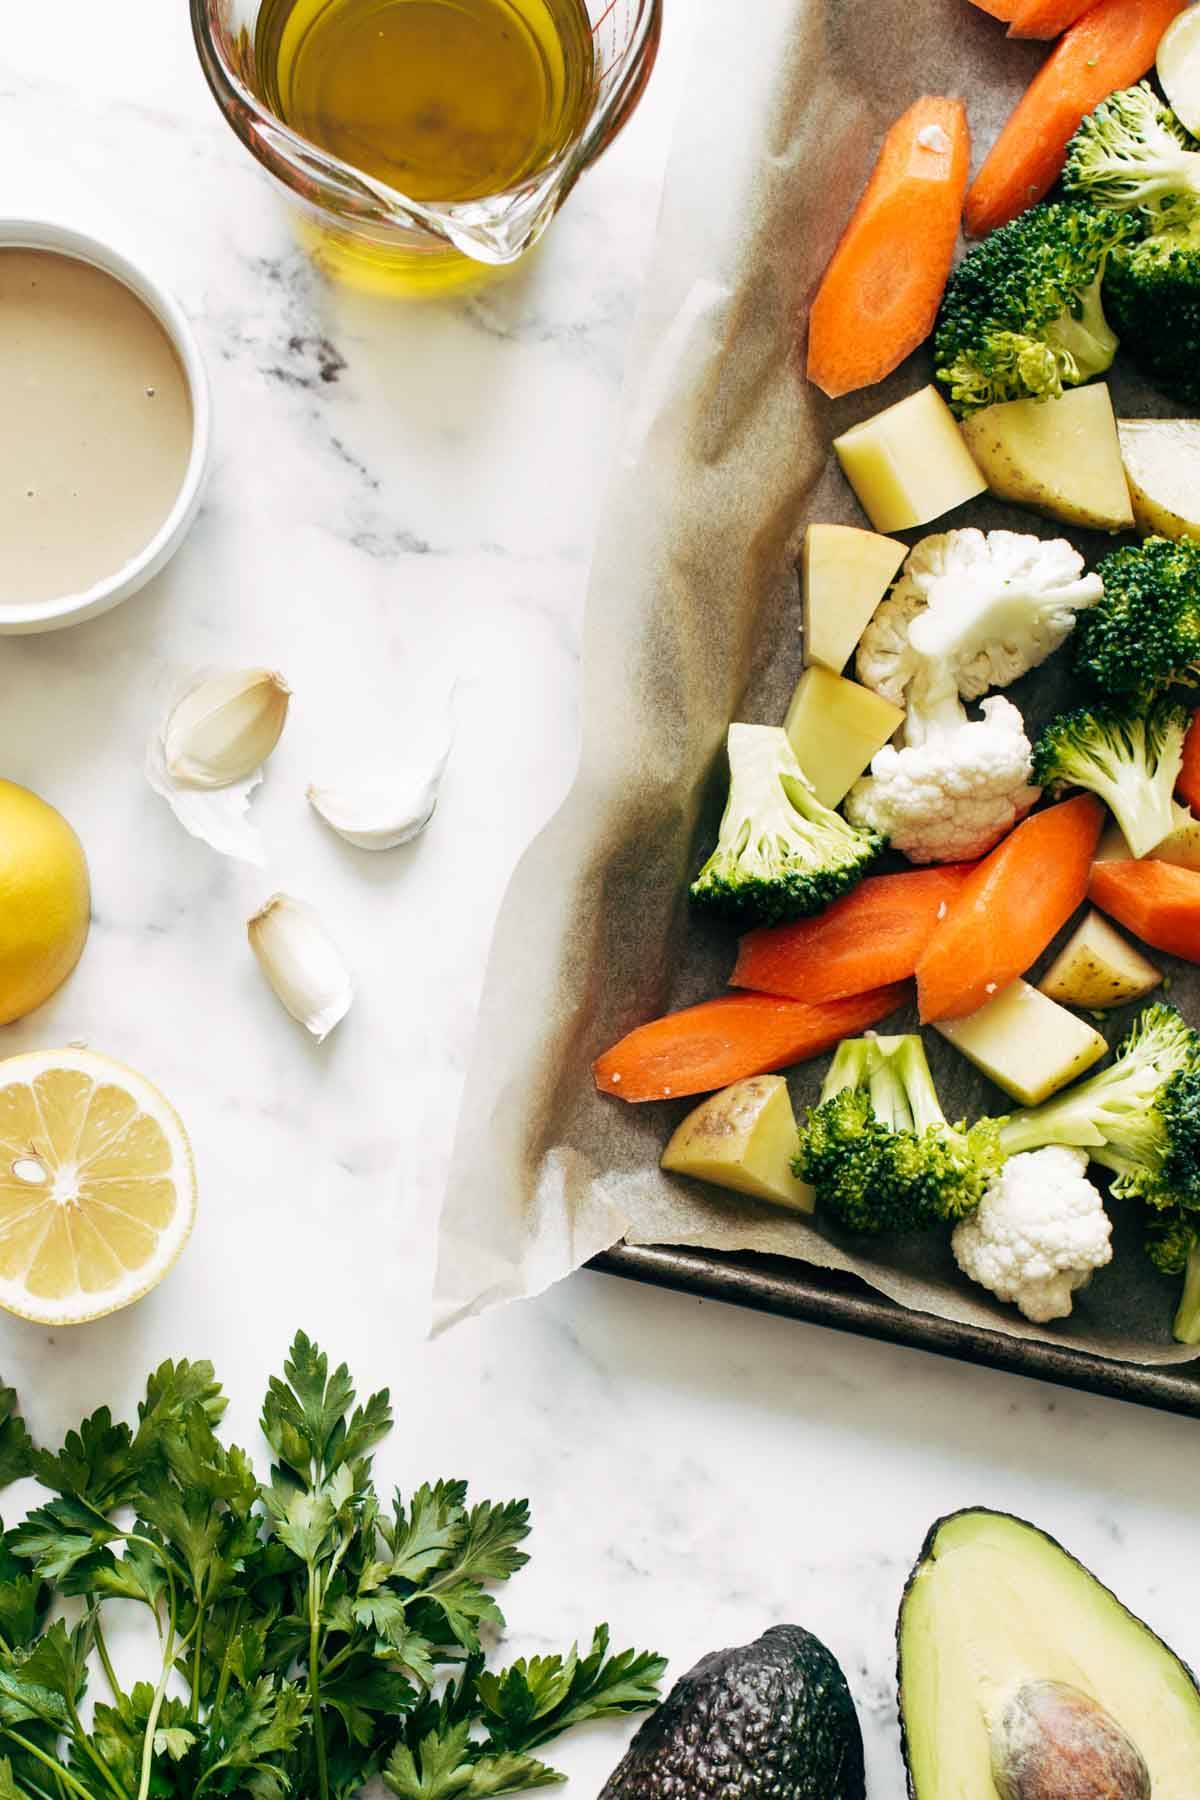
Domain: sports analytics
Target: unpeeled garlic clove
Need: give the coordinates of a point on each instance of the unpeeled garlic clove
(379, 815)
(302, 963)
(225, 727)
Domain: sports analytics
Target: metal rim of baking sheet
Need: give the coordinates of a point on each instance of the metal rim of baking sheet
(843, 1303)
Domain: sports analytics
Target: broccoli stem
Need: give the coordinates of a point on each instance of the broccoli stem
(849, 1068)
(889, 1097)
(1187, 1319)
(1085, 338)
(1071, 1126)
(917, 1077)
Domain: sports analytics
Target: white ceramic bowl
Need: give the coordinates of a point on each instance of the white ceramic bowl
(69, 609)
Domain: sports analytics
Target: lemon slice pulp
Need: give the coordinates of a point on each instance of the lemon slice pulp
(97, 1188)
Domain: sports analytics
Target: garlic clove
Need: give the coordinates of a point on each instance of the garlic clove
(225, 727)
(378, 815)
(217, 816)
(302, 963)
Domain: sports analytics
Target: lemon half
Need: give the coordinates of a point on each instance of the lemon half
(97, 1187)
(45, 903)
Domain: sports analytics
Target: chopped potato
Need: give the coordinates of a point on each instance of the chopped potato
(1026, 1043)
(743, 1138)
(845, 573)
(1162, 467)
(1181, 846)
(1062, 457)
(909, 464)
(835, 727)
(1177, 64)
(1098, 969)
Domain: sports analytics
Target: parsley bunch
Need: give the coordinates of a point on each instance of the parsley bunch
(310, 1639)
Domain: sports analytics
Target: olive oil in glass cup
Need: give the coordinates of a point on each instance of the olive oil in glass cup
(424, 140)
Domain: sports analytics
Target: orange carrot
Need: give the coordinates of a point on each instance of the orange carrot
(1188, 785)
(999, 9)
(708, 1046)
(878, 298)
(1110, 47)
(1045, 18)
(872, 936)
(1157, 901)
(1008, 908)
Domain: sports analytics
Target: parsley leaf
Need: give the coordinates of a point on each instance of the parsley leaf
(448, 1767)
(16, 1450)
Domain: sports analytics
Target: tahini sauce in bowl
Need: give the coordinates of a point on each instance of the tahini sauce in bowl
(103, 428)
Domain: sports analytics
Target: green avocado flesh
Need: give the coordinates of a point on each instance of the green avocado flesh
(994, 1609)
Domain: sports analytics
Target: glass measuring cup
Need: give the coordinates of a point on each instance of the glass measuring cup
(360, 228)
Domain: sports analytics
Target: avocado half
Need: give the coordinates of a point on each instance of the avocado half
(995, 1614)
(772, 1720)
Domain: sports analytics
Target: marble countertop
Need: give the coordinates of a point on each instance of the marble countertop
(403, 497)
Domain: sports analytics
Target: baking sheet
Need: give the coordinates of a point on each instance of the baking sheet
(693, 619)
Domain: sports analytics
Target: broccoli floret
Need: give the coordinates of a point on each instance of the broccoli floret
(1133, 1117)
(1140, 1117)
(879, 1150)
(1173, 1246)
(1151, 291)
(1022, 314)
(1144, 633)
(1131, 758)
(780, 854)
(1132, 151)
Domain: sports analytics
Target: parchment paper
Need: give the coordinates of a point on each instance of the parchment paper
(694, 619)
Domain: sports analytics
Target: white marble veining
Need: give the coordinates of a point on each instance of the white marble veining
(405, 496)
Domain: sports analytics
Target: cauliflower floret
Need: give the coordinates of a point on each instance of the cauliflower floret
(1040, 1230)
(986, 607)
(953, 796)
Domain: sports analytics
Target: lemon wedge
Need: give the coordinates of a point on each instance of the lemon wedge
(97, 1187)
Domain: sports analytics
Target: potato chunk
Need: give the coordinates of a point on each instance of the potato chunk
(743, 1138)
(1062, 457)
(909, 464)
(1098, 968)
(835, 727)
(1027, 1044)
(845, 573)
(1162, 467)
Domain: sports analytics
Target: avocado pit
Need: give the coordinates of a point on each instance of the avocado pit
(1053, 1742)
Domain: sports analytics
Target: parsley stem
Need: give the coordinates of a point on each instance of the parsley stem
(56, 1769)
(226, 1666)
(198, 1628)
(314, 1679)
(161, 1690)
(110, 1674)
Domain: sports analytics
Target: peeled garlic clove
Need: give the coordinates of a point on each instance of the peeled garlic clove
(225, 727)
(302, 963)
(378, 816)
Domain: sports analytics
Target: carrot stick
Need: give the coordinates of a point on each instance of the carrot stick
(878, 298)
(999, 9)
(1008, 908)
(1110, 47)
(1188, 785)
(1157, 901)
(1045, 18)
(872, 936)
(706, 1047)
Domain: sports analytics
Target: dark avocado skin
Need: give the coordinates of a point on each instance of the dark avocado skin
(772, 1720)
(928, 1549)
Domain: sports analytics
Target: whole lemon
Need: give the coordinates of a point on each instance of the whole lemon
(45, 901)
